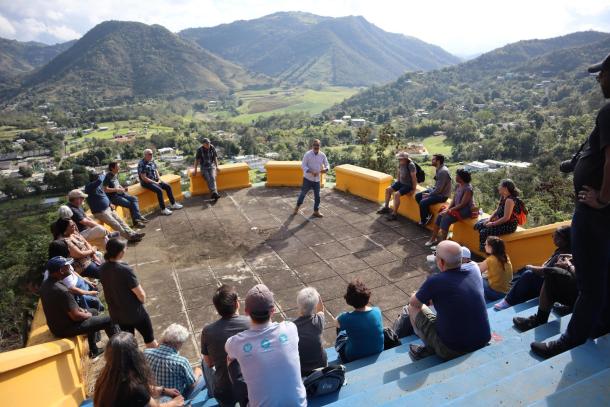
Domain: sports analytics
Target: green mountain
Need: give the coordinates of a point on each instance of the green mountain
(118, 59)
(18, 58)
(529, 71)
(306, 49)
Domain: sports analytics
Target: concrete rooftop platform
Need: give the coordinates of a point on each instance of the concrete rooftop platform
(250, 236)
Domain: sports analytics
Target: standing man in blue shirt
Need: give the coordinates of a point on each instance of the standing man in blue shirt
(314, 164)
(100, 207)
(207, 158)
(150, 179)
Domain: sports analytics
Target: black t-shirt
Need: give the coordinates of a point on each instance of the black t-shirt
(213, 339)
(590, 167)
(111, 181)
(311, 351)
(139, 396)
(118, 279)
(78, 214)
(56, 303)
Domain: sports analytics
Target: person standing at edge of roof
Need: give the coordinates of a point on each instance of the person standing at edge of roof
(406, 184)
(590, 232)
(208, 159)
(439, 193)
(314, 165)
(150, 179)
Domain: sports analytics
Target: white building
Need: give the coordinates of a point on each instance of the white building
(166, 151)
(358, 122)
(476, 166)
(346, 118)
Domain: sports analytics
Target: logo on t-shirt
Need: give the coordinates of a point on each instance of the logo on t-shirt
(283, 338)
(247, 347)
(265, 344)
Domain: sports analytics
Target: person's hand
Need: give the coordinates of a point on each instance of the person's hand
(112, 207)
(92, 293)
(488, 224)
(121, 189)
(172, 393)
(589, 197)
(176, 401)
(444, 211)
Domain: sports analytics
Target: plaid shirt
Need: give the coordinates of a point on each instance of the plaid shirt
(169, 368)
(148, 168)
(206, 156)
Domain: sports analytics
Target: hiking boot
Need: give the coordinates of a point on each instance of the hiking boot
(317, 214)
(215, 196)
(134, 238)
(561, 309)
(549, 349)
(140, 234)
(525, 324)
(143, 219)
(418, 352)
(166, 212)
(392, 217)
(384, 210)
(296, 210)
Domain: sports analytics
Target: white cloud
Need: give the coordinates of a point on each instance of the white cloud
(465, 26)
(6, 28)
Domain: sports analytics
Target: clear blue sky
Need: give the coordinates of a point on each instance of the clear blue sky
(460, 26)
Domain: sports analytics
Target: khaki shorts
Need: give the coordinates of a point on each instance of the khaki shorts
(425, 323)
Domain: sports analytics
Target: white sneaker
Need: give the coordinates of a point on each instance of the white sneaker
(166, 211)
(176, 206)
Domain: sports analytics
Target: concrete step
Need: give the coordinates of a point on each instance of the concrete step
(590, 392)
(545, 378)
(504, 345)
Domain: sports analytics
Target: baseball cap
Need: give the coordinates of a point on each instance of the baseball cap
(76, 193)
(466, 252)
(65, 212)
(259, 300)
(601, 66)
(57, 262)
(402, 154)
(205, 140)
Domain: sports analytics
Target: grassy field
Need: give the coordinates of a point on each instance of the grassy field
(436, 145)
(122, 127)
(278, 101)
(9, 132)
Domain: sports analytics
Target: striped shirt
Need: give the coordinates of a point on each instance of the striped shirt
(169, 368)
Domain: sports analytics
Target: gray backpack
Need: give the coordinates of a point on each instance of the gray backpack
(324, 380)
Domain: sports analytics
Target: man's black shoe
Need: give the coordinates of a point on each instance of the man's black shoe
(418, 352)
(525, 324)
(549, 349)
(134, 238)
(384, 210)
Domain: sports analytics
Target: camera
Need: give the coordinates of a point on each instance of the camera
(567, 166)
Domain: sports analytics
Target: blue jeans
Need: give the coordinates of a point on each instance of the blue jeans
(88, 301)
(525, 286)
(424, 203)
(127, 201)
(591, 257)
(340, 345)
(307, 185)
(158, 189)
(192, 392)
(209, 175)
(490, 293)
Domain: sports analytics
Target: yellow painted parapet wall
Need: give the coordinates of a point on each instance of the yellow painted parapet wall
(49, 372)
(362, 182)
(525, 246)
(286, 174)
(230, 176)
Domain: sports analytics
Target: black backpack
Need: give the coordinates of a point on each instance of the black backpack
(324, 380)
(419, 173)
(390, 339)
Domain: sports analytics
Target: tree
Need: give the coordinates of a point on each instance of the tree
(13, 187)
(25, 172)
(248, 143)
(366, 153)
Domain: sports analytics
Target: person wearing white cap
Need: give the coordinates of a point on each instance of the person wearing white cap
(406, 184)
(268, 354)
(92, 231)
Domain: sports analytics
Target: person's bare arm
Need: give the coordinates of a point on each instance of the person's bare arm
(465, 199)
(483, 266)
(208, 361)
(415, 303)
(79, 291)
(196, 166)
(76, 253)
(147, 180)
(509, 205)
(139, 292)
(414, 183)
(320, 306)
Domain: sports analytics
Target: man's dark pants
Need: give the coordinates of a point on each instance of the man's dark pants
(424, 203)
(591, 256)
(90, 327)
(127, 201)
(307, 185)
(158, 189)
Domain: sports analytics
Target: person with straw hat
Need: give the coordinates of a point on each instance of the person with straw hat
(406, 184)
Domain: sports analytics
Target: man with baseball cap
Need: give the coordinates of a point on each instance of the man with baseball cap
(590, 232)
(268, 354)
(64, 317)
(207, 158)
(92, 231)
(406, 184)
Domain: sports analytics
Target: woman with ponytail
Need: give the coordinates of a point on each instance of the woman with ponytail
(124, 294)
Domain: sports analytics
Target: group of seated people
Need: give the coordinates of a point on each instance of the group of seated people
(502, 221)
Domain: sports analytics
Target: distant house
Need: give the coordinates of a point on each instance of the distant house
(476, 166)
(338, 121)
(103, 128)
(416, 150)
(87, 131)
(346, 118)
(272, 155)
(495, 164)
(166, 151)
(358, 122)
